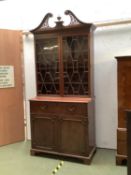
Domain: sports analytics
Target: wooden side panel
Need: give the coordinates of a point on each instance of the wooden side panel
(124, 92)
(124, 103)
(121, 141)
(11, 99)
(128, 115)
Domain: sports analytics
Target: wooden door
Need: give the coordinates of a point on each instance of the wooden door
(74, 135)
(11, 98)
(43, 131)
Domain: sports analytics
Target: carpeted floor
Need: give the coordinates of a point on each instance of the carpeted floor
(15, 159)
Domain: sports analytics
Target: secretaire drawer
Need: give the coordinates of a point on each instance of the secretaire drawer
(40, 107)
(73, 108)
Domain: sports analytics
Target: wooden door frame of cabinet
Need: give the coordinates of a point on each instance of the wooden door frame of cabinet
(61, 66)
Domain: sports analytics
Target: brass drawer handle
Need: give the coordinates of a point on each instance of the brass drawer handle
(43, 107)
(71, 109)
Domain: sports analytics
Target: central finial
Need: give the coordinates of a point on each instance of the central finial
(59, 22)
(58, 18)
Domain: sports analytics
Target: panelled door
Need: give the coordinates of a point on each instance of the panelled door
(11, 98)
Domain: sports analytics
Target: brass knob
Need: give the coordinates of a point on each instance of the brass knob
(43, 107)
(71, 109)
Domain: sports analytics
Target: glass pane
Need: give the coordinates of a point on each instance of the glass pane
(47, 65)
(75, 58)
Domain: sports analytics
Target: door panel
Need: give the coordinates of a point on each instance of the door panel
(75, 59)
(73, 133)
(47, 65)
(11, 99)
(43, 131)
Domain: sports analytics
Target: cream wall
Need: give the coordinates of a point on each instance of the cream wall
(26, 14)
(29, 75)
(108, 42)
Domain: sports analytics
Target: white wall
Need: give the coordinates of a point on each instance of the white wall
(26, 14)
(108, 43)
(29, 71)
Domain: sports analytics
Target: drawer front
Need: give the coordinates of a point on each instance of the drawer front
(41, 107)
(122, 141)
(73, 108)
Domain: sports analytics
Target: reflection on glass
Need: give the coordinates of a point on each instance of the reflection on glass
(47, 66)
(75, 58)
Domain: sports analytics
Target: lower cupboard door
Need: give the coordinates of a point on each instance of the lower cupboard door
(43, 133)
(74, 136)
